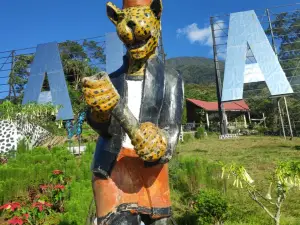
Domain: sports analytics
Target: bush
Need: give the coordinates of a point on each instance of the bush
(189, 175)
(211, 207)
(261, 129)
(187, 137)
(77, 207)
(200, 133)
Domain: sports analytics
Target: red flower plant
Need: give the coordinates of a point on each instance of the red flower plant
(57, 172)
(44, 187)
(41, 205)
(11, 206)
(16, 221)
(59, 187)
(26, 215)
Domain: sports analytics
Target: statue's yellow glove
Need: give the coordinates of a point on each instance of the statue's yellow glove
(149, 142)
(101, 95)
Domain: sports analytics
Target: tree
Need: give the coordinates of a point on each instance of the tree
(286, 29)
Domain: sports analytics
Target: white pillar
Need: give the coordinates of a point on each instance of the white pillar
(207, 120)
(249, 115)
(264, 120)
(245, 121)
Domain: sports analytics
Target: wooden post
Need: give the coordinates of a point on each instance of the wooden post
(264, 118)
(207, 120)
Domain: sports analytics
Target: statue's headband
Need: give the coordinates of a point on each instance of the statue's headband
(132, 3)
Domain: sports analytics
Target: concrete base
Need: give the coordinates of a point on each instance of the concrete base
(76, 150)
(228, 136)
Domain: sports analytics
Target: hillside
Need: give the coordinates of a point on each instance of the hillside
(196, 70)
(199, 76)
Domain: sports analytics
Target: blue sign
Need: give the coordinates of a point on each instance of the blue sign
(47, 62)
(245, 30)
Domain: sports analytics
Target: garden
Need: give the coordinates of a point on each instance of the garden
(212, 182)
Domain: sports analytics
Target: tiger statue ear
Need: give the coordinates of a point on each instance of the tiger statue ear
(114, 13)
(156, 7)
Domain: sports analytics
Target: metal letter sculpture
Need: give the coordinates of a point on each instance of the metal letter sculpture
(137, 111)
(245, 28)
(47, 62)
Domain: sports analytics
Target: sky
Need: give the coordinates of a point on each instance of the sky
(185, 24)
(28, 23)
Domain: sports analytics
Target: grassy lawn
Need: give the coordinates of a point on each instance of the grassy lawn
(258, 154)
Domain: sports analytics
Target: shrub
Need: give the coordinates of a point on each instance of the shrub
(77, 207)
(200, 133)
(211, 207)
(187, 137)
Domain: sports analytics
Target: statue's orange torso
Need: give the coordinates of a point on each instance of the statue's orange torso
(134, 187)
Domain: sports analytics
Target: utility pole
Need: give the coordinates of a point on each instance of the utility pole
(285, 102)
(222, 115)
(12, 76)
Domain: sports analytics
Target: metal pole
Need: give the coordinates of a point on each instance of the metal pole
(288, 116)
(223, 125)
(275, 50)
(11, 77)
(279, 108)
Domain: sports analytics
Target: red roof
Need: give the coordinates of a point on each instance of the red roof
(213, 106)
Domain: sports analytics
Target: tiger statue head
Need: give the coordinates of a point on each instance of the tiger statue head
(138, 26)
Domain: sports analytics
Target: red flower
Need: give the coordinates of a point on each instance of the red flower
(41, 205)
(16, 221)
(57, 172)
(44, 187)
(12, 206)
(26, 216)
(59, 187)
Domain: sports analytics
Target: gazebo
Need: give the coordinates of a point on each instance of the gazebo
(196, 109)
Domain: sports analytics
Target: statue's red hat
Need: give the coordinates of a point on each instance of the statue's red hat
(132, 3)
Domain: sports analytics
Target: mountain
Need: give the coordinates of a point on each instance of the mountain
(195, 70)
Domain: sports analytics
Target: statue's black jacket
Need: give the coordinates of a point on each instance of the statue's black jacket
(162, 104)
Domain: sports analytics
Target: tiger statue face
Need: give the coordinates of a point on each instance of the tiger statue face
(138, 27)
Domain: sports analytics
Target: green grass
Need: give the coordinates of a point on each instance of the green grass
(196, 167)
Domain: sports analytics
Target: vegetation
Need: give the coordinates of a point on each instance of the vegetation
(197, 168)
(199, 195)
(55, 189)
(285, 177)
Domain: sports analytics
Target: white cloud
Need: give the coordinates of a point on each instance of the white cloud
(203, 35)
(195, 34)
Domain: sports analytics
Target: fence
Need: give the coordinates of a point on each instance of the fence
(15, 64)
(282, 27)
